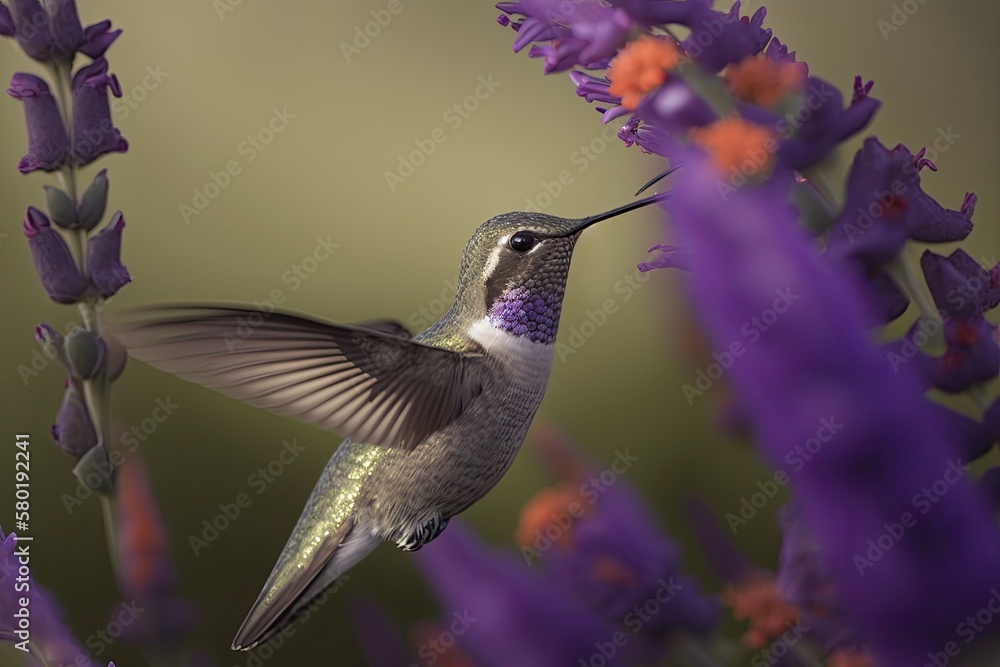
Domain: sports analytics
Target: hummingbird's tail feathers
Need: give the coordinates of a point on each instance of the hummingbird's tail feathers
(372, 384)
(299, 577)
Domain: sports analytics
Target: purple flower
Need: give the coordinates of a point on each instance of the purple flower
(94, 133)
(74, 431)
(48, 142)
(521, 617)
(48, 635)
(889, 301)
(67, 33)
(886, 206)
(378, 636)
(31, 27)
(815, 373)
(960, 286)
(669, 256)
(675, 108)
(718, 39)
(821, 123)
(6, 21)
(97, 38)
(107, 273)
(54, 263)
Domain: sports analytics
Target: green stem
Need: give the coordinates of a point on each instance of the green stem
(904, 274)
(108, 507)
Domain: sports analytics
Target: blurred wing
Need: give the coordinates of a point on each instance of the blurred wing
(370, 385)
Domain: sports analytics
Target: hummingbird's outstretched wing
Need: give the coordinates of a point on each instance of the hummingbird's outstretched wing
(372, 385)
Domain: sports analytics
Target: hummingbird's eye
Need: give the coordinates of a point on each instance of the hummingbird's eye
(522, 242)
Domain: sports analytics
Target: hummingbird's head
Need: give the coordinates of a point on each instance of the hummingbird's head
(514, 268)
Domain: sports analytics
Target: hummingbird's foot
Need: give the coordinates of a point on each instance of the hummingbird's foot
(423, 534)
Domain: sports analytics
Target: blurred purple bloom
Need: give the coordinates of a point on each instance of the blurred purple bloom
(94, 133)
(107, 273)
(97, 38)
(48, 142)
(675, 108)
(778, 52)
(6, 21)
(718, 39)
(889, 300)
(816, 367)
(616, 559)
(67, 33)
(54, 263)
(74, 431)
(972, 356)
(31, 27)
(805, 581)
(49, 634)
(521, 618)
(826, 123)
(886, 206)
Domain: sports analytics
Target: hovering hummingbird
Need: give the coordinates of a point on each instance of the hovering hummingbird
(432, 421)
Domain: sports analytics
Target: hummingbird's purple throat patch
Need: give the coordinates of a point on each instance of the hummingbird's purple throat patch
(526, 312)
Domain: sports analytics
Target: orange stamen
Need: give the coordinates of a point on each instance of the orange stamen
(736, 145)
(760, 80)
(848, 658)
(757, 599)
(544, 515)
(640, 67)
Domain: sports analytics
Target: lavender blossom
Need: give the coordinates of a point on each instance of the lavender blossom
(48, 142)
(810, 367)
(97, 38)
(107, 273)
(31, 27)
(74, 431)
(54, 263)
(94, 133)
(67, 33)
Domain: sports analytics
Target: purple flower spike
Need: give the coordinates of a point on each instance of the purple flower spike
(107, 273)
(886, 206)
(94, 133)
(521, 618)
(48, 142)
(31, 24)
(67, 33)
(817, 374)
(97, 38)
(718, 39)
(74, 431)
(6, 21)
(826, 124)
(57, 271)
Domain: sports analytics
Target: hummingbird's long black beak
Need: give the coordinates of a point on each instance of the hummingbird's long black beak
(631, 206)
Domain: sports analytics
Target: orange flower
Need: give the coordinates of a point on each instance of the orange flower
(848, 658)
(757, 600)
(542, 514)
(640, 67)
(735, 144)
(760, 80)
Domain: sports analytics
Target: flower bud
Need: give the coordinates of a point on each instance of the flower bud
(54, 263)
(62, 210)
(31, 24)
(107, 273)
(94, 133)
(85, 352)
(48, 142)
(51, 341)
(74, 431)
(94, 201)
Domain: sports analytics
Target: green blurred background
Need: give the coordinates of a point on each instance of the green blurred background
(224, 68)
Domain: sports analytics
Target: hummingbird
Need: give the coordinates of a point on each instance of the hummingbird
(432, 421)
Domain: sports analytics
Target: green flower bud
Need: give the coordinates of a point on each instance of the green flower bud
(85, 353)
(94, 201)
(62, 209)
